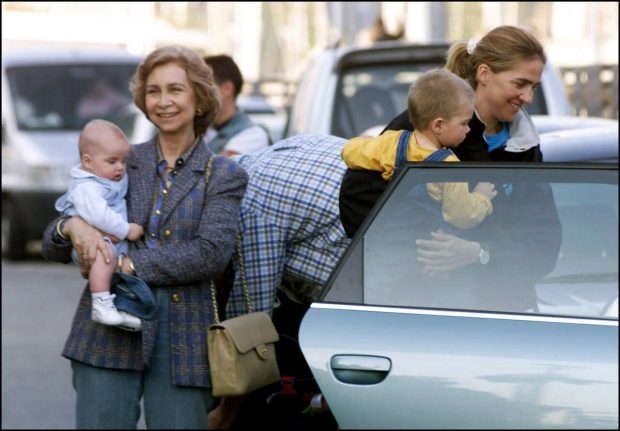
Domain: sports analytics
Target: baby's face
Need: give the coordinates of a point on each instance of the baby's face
(457, 127)
(109, 159)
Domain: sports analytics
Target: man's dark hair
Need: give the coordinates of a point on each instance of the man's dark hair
(225, 69)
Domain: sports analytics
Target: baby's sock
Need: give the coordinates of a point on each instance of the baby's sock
(103, 295)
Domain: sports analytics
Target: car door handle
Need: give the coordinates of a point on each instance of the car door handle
(360, 369)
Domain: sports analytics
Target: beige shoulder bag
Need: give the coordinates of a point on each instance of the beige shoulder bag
(242, 356)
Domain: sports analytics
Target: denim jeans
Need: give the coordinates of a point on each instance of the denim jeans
(110, 398)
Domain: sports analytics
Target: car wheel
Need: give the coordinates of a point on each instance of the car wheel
(13, 233)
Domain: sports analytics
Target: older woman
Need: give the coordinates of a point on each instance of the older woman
(190, 220)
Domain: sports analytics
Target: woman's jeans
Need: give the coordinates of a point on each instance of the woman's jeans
(110, 398)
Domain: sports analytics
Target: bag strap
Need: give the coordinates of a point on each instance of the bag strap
(244, 282)
(208, 171)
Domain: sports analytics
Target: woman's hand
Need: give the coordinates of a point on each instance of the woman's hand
(87, 241)
(444, 253)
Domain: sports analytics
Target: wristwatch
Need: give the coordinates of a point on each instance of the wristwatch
(484, 256)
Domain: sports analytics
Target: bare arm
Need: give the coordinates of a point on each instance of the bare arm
(84, 238)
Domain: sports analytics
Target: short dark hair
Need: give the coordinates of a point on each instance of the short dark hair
(225, 69)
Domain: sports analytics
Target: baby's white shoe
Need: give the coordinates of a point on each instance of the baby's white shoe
(130, 322)
(104, 311)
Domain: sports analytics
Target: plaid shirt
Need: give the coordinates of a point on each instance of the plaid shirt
(290, 223)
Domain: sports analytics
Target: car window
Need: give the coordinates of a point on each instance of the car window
(571, 215)
(372, 96)
(66, 97)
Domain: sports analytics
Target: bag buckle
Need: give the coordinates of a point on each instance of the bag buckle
(262, 351)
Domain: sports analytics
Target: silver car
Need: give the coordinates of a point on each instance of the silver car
(391, 347)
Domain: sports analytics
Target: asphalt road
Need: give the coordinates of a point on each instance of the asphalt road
(38, 303)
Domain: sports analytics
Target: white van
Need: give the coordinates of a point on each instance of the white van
(47, 97)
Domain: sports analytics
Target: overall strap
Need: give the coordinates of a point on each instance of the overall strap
(401, 151)
(439, 155)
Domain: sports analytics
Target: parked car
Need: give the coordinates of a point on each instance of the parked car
(595, 144)
(347, 91)
(47, 97)
(263, 113)
(387, 358)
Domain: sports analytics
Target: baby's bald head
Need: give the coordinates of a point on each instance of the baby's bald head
(97, 134)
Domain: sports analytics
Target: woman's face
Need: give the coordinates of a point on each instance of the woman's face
(503, 94)
(170, 99)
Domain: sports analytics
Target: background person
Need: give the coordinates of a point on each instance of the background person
(97, 194)
(191, 224)
(504, 68)
(232, 132)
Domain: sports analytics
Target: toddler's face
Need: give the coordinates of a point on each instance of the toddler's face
(456, 127)
(109, 160)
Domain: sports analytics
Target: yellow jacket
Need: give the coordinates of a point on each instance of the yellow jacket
(459, 207)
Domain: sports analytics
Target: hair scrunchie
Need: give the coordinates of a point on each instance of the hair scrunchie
(471, 45)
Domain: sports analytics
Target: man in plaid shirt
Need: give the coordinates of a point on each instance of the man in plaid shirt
(290, 224)
(291, 239)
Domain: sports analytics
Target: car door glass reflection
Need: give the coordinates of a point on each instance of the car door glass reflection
(553, 248)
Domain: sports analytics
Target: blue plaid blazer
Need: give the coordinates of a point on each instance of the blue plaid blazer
(200, 226)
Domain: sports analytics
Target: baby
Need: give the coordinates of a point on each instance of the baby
(97, 194)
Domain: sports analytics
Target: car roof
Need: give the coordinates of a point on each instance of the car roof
(390, 52)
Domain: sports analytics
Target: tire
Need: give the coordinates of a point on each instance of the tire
(14, 238)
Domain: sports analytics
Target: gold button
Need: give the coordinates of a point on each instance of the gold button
(158, 212)
(152, 235)
(165, 191)
(167, 234)
(175, 297)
